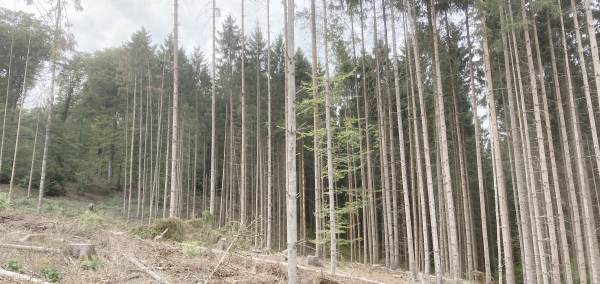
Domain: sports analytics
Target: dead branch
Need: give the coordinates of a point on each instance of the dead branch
(29, 248)
(148, 271)
(20, 277)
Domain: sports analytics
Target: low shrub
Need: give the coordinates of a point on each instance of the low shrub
(90, 221)
(192, 250)
(50, 274)
(14, 266)
(175, 225)
(91, 264)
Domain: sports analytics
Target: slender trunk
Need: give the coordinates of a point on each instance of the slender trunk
(269, 138)
(579, 156)
(213, 139)
(463, 174)
(566, 155)
(175, 173)
(169, 132)
(434, 229)
(588, 213)
(12, 40)
(55, 55)
(317, 170)
(372, 209)
(243, 142)
(503, 201)
(37, 126)
(290, 148)
(330, 181)
(444, 149)
(131, 150)
(23, 94)
(474, 106)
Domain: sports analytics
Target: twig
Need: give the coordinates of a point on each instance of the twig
(150, 272)
(222, 259)
(21, 277)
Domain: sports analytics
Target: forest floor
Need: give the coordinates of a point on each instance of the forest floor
(61, 223)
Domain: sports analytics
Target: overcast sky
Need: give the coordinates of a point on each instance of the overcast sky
(109, 23)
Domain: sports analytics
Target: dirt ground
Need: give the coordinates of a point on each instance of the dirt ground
(115, 249)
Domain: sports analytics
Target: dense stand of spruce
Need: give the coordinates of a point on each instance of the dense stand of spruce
(453, 139)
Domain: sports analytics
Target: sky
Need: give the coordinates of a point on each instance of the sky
(110, 23)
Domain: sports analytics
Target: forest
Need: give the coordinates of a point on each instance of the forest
(455, 139)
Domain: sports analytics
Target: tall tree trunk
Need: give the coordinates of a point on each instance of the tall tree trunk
(55, 57)
(474, 106)
(12, 40)
(330, 177)
(444, 149)
(498, 162)
(269, 138)
(37, 126)
(432, 210)
(405, 188)
(579, 157)
(175, 173)
(566, 155)
(290, 148)
(169, 132)
(213, 139)
(243, 142)
(541, 152)
(23, 94)
(317, 169)
(463, 174)
(131, 150)
(588, 213)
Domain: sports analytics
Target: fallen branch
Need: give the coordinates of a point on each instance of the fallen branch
(20, 277)
(222, 259)
(29, 248)
(148, 271)
(318, 270)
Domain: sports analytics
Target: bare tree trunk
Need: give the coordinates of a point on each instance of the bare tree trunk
(372, 209)
(169, 132)
(291, 146)
(175, 173)
(269, 138)
(23, 94)
(484, 233)
(37, 126)
(579, 156)
(503, 202)
(12, 40)
(408, 220)
(588, 213)
(213, 139)
(131, 151)
(566, 152)
(139, 183)
(434, 229)
(361, 154)
(55, 56)
(330, 181)
(243, 142)
(317, 169)
(444, 147)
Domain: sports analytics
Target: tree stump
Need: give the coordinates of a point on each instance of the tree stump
(223, 244)
(313, 261)
(78, 250)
